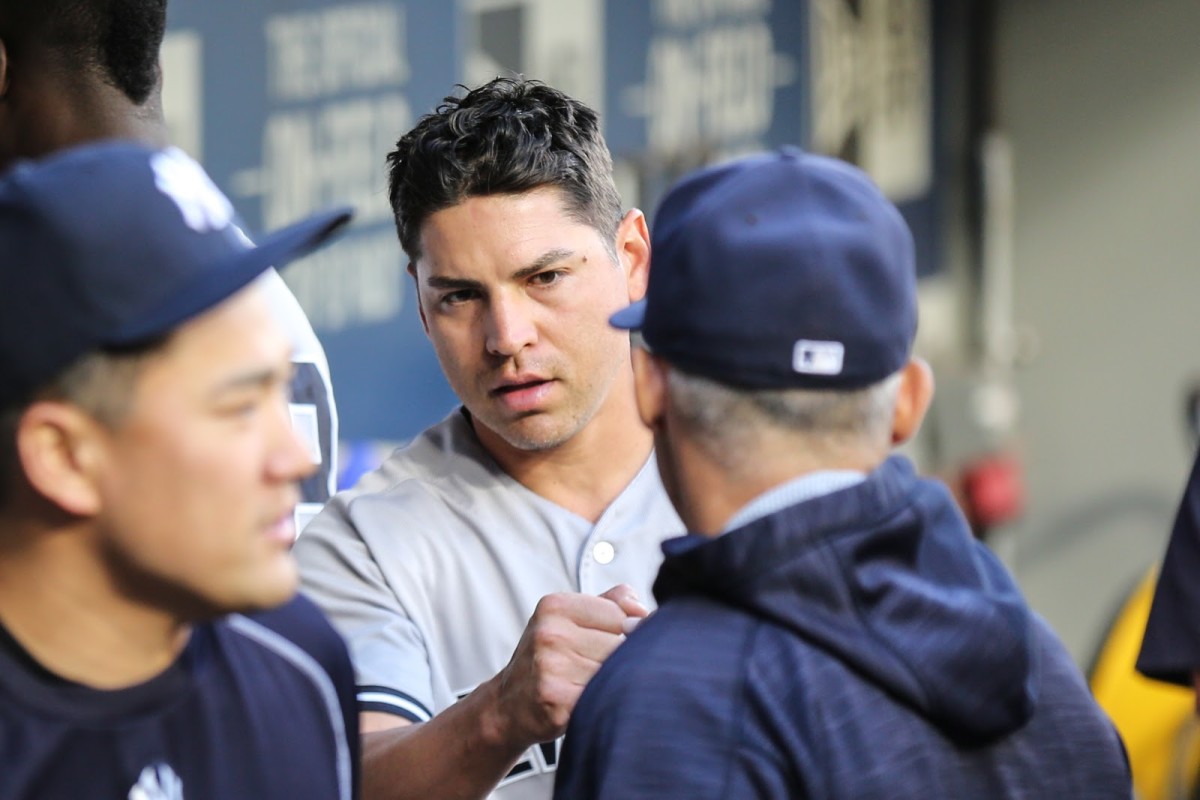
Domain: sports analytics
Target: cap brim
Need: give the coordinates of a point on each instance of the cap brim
(226, 278)
(630, 318)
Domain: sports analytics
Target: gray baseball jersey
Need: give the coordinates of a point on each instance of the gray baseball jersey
(432, 565)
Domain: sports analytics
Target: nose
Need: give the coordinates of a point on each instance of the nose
(290, 458)
(510, 326)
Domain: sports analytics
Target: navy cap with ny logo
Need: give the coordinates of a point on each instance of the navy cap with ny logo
(112, 244)
(779, 270)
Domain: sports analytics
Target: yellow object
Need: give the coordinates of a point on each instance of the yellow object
(1157, 720)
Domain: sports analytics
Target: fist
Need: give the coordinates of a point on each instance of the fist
(565, 642)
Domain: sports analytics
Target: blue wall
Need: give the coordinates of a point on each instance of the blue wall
(298, 101)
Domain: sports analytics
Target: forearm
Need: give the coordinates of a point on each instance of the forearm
(460, 754)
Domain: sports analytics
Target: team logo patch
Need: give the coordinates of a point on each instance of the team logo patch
(157, 782)
(180, 178)
(818, 358)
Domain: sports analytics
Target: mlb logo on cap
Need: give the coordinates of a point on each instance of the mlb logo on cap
(818, 358)
(779, 270)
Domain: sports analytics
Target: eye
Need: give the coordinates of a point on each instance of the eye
(459, 297)
(240, 408)
(547, 278)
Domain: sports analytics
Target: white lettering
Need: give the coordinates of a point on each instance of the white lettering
(359, 282)
(338, 49)
(714, 87)
(691, 13)
(331, 155)
(872, 89)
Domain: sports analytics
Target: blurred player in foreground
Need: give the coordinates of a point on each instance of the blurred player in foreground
(148, 475)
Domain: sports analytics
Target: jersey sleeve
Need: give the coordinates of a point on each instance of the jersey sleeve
(339, 572)
(1171, 646)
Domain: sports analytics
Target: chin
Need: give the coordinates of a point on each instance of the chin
(267, 589)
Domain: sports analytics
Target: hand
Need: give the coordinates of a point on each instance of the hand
(625, 597)
(565, 642)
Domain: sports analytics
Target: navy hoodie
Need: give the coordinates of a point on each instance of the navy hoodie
(857, 645)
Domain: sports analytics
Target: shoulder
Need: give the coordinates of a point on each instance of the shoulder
(296, 627)
(683, 670)
(665, 660)
(441, 459)
(438, 477)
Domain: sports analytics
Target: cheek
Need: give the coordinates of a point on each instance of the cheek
(181, 495)
(458, 348)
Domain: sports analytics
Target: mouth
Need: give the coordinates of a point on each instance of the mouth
(523, 395)
(517, 386)
(282, 529)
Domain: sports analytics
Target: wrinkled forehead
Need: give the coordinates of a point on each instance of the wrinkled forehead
(514, 230)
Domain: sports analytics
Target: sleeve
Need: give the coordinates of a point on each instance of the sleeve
(339, 572)
(1171, 645)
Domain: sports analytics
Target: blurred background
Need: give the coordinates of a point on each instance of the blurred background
(1044, 152)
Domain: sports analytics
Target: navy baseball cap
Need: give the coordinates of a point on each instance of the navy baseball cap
(779, 270)
(113, 244)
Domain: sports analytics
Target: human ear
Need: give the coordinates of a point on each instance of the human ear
(633, 247)
(59, 450)
(912, 400)
(650, 386)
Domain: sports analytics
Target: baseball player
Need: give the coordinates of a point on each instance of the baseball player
(73, 71)
(151, 646)
(471, 573)
(830, 628)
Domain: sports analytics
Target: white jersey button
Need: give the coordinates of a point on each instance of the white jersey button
(604, 552)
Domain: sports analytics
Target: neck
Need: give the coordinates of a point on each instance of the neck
(61, 604)
(59, 112)
(712, 489)
(101, 111)
(591, 469)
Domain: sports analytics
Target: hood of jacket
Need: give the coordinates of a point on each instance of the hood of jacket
(886, 577)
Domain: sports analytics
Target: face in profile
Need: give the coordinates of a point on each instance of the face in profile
(515, 295)
(198, 480)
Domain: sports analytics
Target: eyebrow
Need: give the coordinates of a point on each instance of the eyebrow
(252, 379)
(546, 259)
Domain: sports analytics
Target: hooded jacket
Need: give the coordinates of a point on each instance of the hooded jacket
(857, 645)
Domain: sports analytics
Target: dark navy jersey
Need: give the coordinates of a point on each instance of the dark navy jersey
(255, 707)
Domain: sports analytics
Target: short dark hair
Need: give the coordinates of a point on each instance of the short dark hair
(120, 39)
(101, 383)
(510, 135)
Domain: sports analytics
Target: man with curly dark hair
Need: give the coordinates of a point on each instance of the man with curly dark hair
(483, 573)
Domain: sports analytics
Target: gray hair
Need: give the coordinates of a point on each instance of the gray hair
(727, 420)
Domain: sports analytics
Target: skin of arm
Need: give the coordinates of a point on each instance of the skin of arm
(464, 751)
